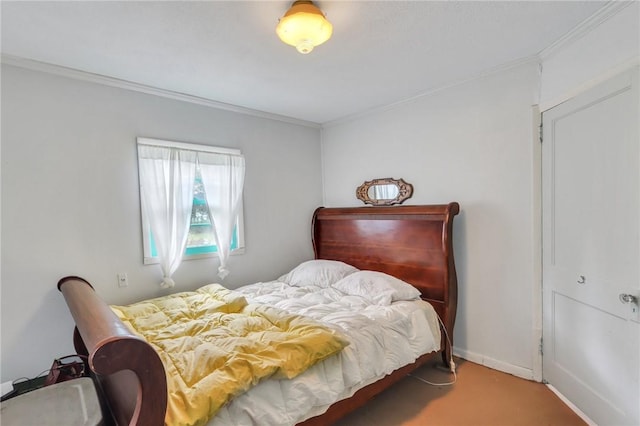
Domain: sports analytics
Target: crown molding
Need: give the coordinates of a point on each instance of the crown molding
(72, 73)
(601, 15)
(495, 70)
(606, 12)
(586, 85)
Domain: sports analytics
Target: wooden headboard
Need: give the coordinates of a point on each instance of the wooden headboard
(413, 243)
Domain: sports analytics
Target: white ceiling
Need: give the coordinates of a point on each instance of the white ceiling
(227, 51)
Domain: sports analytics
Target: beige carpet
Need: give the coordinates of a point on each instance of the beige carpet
(481, 396)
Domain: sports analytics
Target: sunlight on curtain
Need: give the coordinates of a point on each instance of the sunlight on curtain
(166, 180)
(223, 179)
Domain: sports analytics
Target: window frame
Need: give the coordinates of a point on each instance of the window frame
(146, 228)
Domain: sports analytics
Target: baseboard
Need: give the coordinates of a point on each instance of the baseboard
(505, 367)
(569, 404)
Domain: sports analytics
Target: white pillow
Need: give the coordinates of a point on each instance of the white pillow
(377, 287)
(318, 272)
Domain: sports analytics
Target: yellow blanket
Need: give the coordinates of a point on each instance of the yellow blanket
(215, 346)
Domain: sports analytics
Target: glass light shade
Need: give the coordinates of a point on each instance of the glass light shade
(304, 26)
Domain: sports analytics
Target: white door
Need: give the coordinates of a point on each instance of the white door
(591, 250)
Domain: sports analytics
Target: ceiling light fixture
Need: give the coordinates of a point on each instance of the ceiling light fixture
(304, 26)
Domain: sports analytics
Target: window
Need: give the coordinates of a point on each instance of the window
(201, 238)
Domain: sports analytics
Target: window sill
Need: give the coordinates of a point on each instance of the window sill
(155, 260)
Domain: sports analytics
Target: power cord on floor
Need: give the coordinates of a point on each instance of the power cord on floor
(452, 365)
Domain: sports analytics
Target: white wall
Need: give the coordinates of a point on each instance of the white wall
(474, 144)
(70, 201)
(611, 47)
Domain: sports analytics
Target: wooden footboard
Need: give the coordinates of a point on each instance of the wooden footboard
(128, 369)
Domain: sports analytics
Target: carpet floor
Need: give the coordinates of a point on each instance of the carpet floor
(480, 397)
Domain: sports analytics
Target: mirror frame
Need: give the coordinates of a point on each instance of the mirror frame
(405, 191)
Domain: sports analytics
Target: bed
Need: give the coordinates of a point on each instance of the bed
(410, 243)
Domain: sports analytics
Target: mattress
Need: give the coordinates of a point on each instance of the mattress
(382, 339)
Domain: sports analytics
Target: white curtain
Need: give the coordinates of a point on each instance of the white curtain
(223, 179)
(166, 180)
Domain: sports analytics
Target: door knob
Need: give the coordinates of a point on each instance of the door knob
(628, 298)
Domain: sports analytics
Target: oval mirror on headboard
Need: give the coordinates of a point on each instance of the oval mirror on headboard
(384, 192)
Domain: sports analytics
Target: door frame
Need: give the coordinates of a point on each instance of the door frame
(536, 202)
(537, 240)
(536, 229)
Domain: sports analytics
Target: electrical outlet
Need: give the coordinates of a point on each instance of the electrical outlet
(123, 281)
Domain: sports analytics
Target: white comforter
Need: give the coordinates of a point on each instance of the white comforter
(382, 339)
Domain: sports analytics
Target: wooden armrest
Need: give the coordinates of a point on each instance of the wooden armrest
(114, 353)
